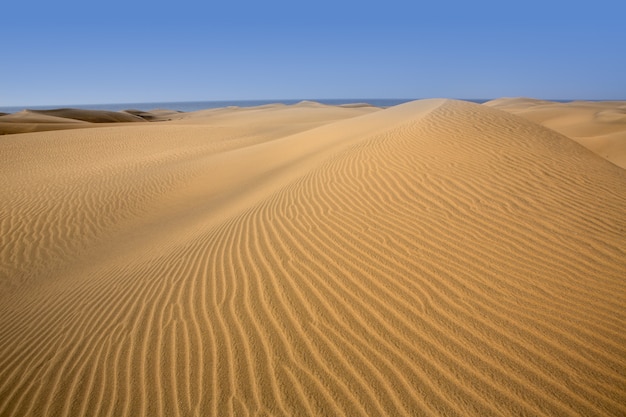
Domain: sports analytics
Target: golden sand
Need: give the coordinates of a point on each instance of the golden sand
(434, 258)
(599, 126)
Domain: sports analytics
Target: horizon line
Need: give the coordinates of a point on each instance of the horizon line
(281, 100)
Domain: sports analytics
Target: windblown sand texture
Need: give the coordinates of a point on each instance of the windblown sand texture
(435, 258)
(598, 125)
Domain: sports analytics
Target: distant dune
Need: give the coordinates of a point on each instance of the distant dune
(58, 119)
(599, 126)
(434, 258)
(91, 116)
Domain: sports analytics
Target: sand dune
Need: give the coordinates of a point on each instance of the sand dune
(28, 121)
(91, 116)
(598, 125)
(434, 258)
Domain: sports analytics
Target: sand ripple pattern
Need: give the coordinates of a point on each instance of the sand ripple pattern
(462, 262)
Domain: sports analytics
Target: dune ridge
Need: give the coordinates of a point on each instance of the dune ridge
(597, 125)
(435, 258)
(28, 121)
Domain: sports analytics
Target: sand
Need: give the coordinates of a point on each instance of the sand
(598, 125)
(434, 258)
(61, 119)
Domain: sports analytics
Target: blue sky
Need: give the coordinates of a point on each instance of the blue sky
(83, 52)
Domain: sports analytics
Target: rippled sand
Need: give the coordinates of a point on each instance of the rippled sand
(434, 258)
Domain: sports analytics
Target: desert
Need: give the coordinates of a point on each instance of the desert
(438, 257)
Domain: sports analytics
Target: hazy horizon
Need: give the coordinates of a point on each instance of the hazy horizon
(203, 104)
(187, 106)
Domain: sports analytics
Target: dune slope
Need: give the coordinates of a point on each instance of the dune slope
(434, 258)
(598, 125)
(28, 121)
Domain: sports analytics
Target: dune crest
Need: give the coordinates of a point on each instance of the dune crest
(434, 258)
(597, 125)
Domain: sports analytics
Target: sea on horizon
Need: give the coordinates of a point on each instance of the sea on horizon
(189, 106)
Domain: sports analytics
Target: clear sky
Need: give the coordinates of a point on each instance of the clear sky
(83, 52)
